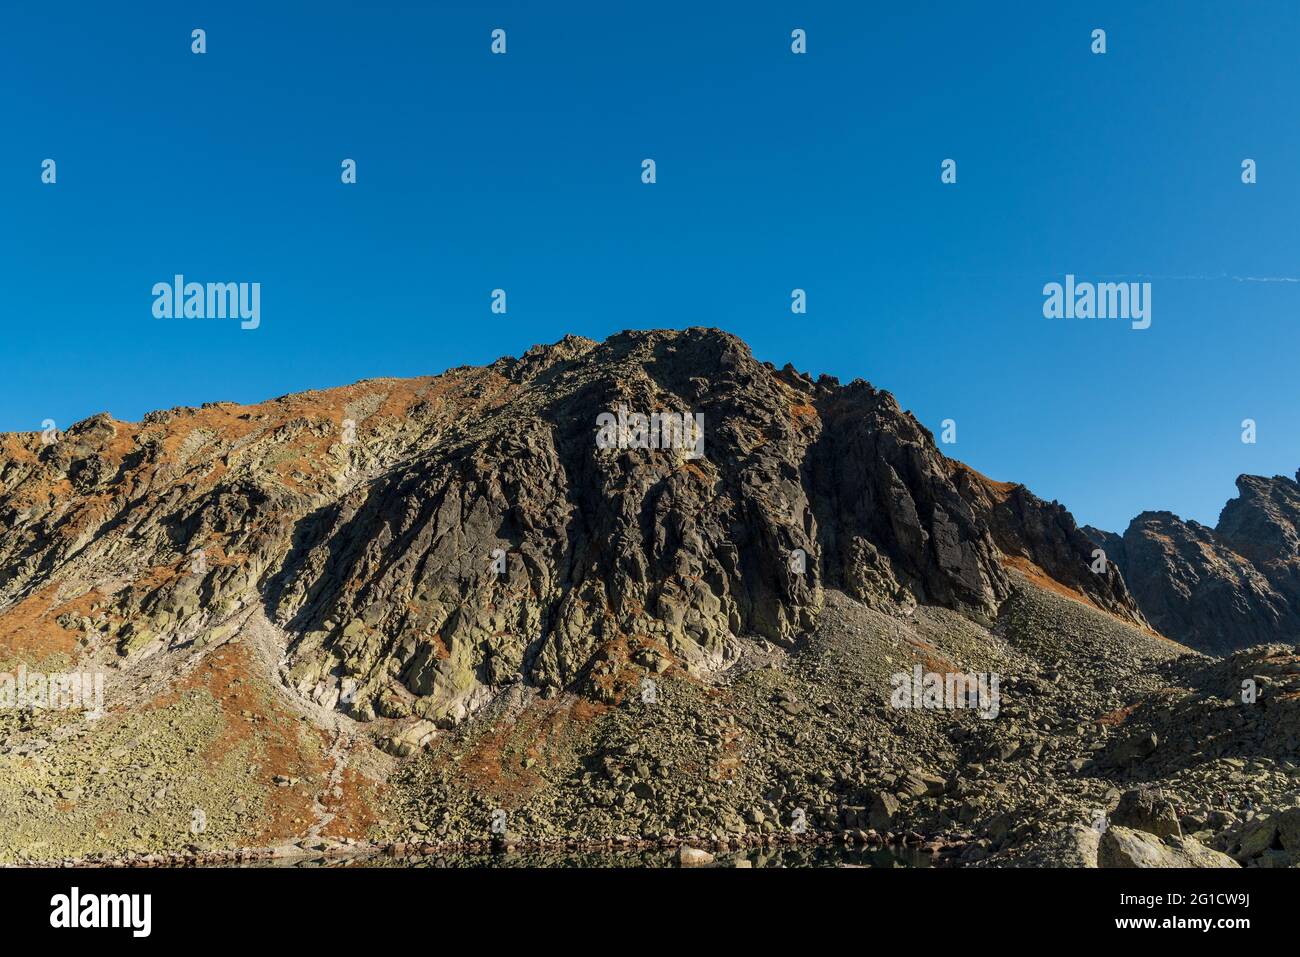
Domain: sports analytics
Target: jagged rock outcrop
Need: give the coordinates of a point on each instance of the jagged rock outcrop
(1263, 526)
(1220, 589)
(425, 542)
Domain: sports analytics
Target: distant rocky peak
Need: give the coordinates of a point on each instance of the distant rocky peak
(1223, 588)
(1263, 522)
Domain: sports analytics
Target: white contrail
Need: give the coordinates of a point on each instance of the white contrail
(1204, 278)
(1140, 275)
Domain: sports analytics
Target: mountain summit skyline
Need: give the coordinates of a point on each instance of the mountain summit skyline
(648, 586)
(1261, 603)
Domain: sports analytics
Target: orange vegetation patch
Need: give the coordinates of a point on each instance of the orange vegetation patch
(121, 444)
(932, 659)
(803, 412)
(1117, 717)
(18, 447)
(38, 495)
(405, 394)
(558, 721)
(113, 449)
(1037, 576)
(1043, 580)
(493, 768)
(86, 512)
(152, 579)
(998, 491)
(216, 437)
(29, 632)
(245, 425)
(488, 773)
(353, 806)
(440, 649)
(85, 605)
(155, 577)
(690, 468)
(269, 735)
(214, 549)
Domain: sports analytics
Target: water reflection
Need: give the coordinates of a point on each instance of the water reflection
(811, 856)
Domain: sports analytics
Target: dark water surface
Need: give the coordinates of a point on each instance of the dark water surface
(812, 856)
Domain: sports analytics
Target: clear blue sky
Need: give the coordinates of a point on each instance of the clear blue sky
(775, 171)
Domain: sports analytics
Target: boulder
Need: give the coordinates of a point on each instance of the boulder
(1288, 828)
(693, 857)
(1135, 748)
(884, 809)
(1125, 847)
(1145, 810)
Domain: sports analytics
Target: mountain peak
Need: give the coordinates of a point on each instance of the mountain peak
(1222, 588)
(426, 539)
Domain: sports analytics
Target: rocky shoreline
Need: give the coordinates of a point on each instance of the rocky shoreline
(941, 849)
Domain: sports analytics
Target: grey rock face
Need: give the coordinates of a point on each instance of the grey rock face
(1196, 589)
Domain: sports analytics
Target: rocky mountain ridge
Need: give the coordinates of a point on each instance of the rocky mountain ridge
(1224, 588)
(424, 542)
(396, 613)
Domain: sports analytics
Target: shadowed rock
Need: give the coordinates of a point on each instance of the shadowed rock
(1220, 589)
